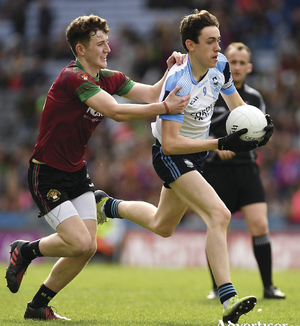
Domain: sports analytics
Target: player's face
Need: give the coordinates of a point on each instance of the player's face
(97, 50)
(239, 65)
(207, 49)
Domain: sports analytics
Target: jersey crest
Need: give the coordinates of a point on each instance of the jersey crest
(53, 195)
(84, 76)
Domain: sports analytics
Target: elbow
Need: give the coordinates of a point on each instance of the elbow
(115, 115)
(167, 149)
(118, 118)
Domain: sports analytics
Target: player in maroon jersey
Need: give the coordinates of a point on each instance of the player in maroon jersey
(58, 179)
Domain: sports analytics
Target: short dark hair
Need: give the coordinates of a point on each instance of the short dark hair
(81, 29)
(192, 25)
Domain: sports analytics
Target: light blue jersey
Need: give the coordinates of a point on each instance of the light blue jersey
(197, 116)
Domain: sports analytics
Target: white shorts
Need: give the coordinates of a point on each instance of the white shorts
(84, 206)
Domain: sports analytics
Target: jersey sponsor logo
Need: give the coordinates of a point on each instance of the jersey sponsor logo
(200, 115)
(53, 195)
(93, 115)
(93, 112)
(194, 100)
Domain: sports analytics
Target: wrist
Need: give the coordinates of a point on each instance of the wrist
(166, 107)
(221, 144)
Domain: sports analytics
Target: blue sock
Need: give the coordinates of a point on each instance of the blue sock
(226, 291)
(111, 208)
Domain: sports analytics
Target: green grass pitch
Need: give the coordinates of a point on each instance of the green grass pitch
(105, 295)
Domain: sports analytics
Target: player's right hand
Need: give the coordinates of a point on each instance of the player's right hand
(233, 142)
(175, 57)
(177, 104)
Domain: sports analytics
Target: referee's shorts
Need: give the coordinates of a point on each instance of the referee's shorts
(236, 184)
(171, 167)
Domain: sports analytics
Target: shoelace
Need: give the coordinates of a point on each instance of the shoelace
(50, 314)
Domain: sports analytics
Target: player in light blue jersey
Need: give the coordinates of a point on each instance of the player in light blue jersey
(179, 151)
(204, 92)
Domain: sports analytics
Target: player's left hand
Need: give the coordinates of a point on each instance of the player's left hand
(234, 143)
(269, 128)
(177, 104)
(176, 57)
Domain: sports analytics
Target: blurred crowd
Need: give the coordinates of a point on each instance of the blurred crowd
(119, 154)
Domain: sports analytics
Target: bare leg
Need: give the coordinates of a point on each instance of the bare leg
(203, 200)
(256, 218)
(62, 244)
(162, 220)
(72, 239)
(189, 190)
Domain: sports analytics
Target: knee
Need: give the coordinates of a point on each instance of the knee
(93, 248)
(164, 231)
(221, 218)
(261, 227)
(226, 217)
(84, 247)
(80, 249)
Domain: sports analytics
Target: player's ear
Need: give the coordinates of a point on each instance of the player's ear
(189, 45)
(250, 67)
(80, 49)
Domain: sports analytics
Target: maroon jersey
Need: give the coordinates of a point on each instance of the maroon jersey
(67, 122)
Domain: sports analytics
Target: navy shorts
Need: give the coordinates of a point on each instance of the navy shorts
(171, 167)
(51, 187)
(236, 184)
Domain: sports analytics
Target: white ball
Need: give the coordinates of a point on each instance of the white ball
(250, 117)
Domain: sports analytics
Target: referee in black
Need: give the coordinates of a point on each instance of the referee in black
(236, 177)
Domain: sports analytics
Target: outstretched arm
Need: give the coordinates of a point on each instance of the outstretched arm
(150, 93)
(109, 107)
